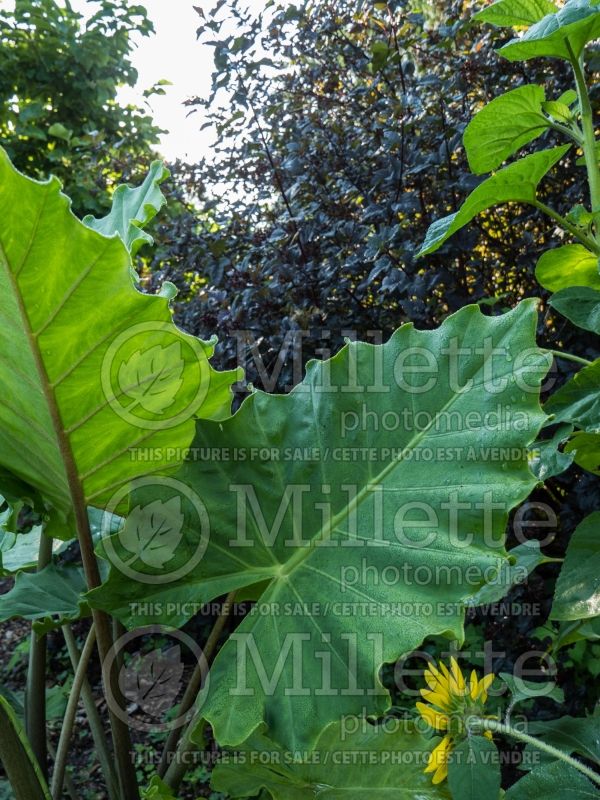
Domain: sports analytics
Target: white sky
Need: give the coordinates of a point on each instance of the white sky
(173, 53)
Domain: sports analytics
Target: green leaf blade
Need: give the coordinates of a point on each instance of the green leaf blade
(517, 182)
(336, 558)
(563, 34)
(503, 126)
(474, 769)
(132, 209)
(17, 758)
(516, 13)
(580, 305)
(49, 598)
(578, 401)
(334, 769)
(71, 317)
(555, 781)
(567, 266)
(577, 593)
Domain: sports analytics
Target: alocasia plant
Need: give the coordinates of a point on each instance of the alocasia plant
(306, 528)
(71, 319)
(400, 459)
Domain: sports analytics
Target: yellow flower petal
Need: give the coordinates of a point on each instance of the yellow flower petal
(441, 774)
(438, 760)
(433, 717)
(449, 680)
(488, 735)
(439, 698)
(438, 755)
(457, 674)
(484, 685)
(445, 670)
(474, 685)
(432, 676)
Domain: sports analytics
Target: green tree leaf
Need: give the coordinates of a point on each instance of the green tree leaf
(547, 460)
(515, 13)
(60, 132)
(503, 126)
(335, 768)
(60, 112)
(474, 769)
(20, 551)
(303, 519)
(566, 266)
(586, 450)
(521, 689)
(132, 210)
(577, 593)
(517, 182)
(555, 781)
(571, 734)
(558, 111)
(563, 34)
(524, 558)
(581, 305)
(578, 401)
(157, 789)
(48, 598)
(71, 319)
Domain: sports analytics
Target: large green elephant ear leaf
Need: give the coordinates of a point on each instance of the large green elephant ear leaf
(49, 598)
(516, 13)
(517, 182)
(132, 209)
(336, 767)
(562, 34)
(92, 371)
(371, 503)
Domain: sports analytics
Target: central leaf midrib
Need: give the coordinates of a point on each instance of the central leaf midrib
(63, 444)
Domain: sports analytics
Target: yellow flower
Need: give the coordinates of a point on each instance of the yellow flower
(438, 760)
(451, 700)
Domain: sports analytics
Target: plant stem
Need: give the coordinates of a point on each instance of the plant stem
(570, 357)
(173, 770)
(575, 135)
(499, 727)
(35, 693)
(120, 731)
(100, 743)
(128, 785)
(66, 730)
(69, 786)
(589, 137)
(591, 244)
